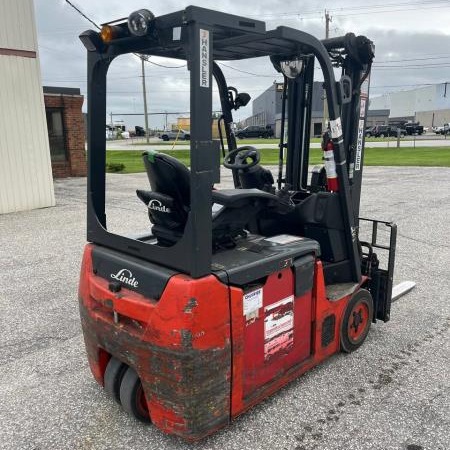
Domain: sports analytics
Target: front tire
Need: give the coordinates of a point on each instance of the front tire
(132, 396)
(356, 322)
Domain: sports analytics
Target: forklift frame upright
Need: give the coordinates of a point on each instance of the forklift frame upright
(204, 37)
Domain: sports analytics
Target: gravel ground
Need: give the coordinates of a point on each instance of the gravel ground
(393, 393)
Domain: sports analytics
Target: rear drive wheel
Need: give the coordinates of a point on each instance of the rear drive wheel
(356, 322)
(132, 396)
(114, 373)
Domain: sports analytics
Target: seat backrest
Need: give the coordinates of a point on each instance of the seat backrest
(168, 176)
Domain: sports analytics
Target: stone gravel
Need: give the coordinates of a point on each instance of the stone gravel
(393, 393)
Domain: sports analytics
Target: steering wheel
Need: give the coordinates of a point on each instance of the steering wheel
(241, 154)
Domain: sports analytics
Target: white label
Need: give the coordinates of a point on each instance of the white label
(359, 144)
(362, 108)
(253, 301)
(176, 36)
(365, 86)
(336, 128)
(283, 239)
(204, 58)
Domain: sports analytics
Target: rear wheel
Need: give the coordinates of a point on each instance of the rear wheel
(114, 373)
(356, 322)
(132, 396)
(382, 135)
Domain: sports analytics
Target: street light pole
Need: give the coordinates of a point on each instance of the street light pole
(144, 92)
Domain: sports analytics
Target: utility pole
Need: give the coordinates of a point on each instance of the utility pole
(328, 19)
(144, 92)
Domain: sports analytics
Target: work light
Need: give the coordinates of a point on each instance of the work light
(139, 22)
(292, 68)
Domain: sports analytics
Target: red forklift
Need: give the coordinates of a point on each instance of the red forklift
(231, 293)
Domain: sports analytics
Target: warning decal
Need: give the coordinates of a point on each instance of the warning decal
(279, 327)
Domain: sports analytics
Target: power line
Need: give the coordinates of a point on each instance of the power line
(369, 8)
(410, 59)
(78, 10)
(244, 71)
(166, 67)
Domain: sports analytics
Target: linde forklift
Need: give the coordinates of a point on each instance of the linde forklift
(233, 292)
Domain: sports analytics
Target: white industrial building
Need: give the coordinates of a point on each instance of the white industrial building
(25, 170)
(428, 104)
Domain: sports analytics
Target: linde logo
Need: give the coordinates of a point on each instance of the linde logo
(156, 205)
(125, 276)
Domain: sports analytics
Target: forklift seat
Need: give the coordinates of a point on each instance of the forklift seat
(169, 202)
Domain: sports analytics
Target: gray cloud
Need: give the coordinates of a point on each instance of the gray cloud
(398, 36)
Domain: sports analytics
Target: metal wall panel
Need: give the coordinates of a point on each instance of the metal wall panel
(18, 28)
(25, 168)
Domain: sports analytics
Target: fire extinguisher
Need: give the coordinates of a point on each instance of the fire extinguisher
(330, 165)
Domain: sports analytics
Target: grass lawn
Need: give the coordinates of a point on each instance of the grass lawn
(269, 141)
(404, 156)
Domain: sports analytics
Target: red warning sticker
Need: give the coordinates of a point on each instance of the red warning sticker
(279, 327)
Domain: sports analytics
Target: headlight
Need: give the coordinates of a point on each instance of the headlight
(139, 22)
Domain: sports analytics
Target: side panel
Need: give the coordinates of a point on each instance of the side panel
(277, 335)
(315, 339)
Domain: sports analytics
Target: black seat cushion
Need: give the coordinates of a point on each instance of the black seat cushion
(168, 176)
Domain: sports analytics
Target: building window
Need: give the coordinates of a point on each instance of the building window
(55, 127)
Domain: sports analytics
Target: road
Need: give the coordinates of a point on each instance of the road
(393, 393)
(155, 144)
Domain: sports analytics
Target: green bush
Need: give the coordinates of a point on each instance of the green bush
(115, 167)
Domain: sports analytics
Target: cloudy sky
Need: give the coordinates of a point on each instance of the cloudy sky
(412, 40)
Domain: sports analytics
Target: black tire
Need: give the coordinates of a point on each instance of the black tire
(402, 135)
(368, 134)
(240, 136)
(164, 137)
(359, 312)
(115, 370)
(132, 396)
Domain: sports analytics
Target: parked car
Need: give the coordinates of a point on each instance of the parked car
(437, 130)
(369, 131)
(445, 129)
(139, 131)
(255, 131)
(177, 134)
(386, 130)
(413, 128)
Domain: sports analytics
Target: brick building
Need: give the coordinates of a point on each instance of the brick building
(66, 131)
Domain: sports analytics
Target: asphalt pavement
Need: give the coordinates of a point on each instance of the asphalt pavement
(393, 393)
